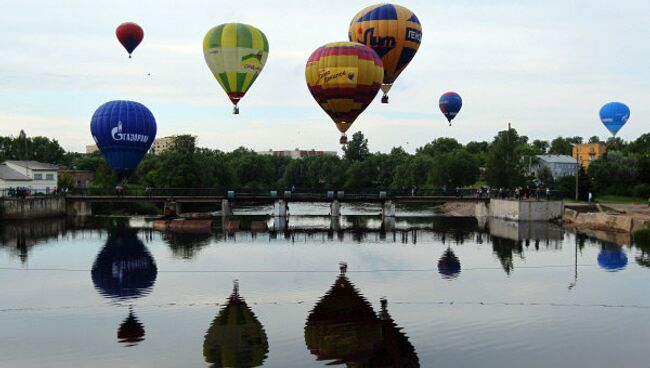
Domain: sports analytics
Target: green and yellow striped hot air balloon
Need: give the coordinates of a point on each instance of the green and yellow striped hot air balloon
(236, 54)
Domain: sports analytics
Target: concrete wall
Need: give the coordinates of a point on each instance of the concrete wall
(33, 207)
(540, 210)
(521, 210)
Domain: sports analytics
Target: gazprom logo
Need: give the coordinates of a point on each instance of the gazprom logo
(413, 35)
(117, 135)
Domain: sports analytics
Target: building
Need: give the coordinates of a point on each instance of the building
(158, 146)
(161, 145)
(297, 153)
(559, 165)
(588, 152)
(38, 177)
(81, 178)
(91, 148)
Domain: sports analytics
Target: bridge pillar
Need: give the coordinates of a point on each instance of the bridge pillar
(388, 224)
(280, 208)
(388, 209)
(335, 208)
(172, 207)
(78, 208)
(225, 208)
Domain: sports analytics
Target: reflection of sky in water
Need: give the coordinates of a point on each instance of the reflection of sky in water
(484, 317)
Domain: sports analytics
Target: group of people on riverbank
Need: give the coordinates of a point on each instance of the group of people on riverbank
(519, 193)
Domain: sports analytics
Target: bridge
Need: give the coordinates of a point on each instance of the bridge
(173, 198)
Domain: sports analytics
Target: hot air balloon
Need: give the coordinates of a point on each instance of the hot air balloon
(236, 54)
(124, 269)
(449, 265)
(342, 327)
(614, 115)
(344, 77)
(450, 104)
(124, 132)
(394, 32)
(236, 338)
(130, 35)
(612, 259)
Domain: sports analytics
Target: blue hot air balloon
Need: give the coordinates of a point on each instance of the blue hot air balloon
(612, 259)
(614, 115)
(124, 269)
(124, 132)
(450, 104)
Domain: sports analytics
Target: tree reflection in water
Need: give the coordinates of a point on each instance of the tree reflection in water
(236, 338)
(343, 328)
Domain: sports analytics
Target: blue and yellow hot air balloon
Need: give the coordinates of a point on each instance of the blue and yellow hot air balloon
(236, 54)
(394, 32)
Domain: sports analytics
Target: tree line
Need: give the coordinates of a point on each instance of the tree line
(441, 164)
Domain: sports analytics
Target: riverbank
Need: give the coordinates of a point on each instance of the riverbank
(616, 218)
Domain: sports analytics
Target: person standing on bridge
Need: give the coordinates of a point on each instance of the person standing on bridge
(548, 193)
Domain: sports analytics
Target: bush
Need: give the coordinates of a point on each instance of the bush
(641, 190)
(642, 237)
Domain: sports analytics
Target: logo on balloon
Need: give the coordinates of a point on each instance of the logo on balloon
(413, 35)
(337, 75)
(252, 61)
(117, 135)
(373, 41)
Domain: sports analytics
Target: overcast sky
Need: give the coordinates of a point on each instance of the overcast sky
(545, 66)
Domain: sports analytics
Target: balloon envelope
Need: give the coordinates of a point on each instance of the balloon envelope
(450, 104)
(130, 35)
(124, 269)
(612, 259)
(124, 132)
(614, 115)
(236, 54)
(393, 32)
(344, 77)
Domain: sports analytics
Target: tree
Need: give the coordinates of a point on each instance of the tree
(65, 181)
(454, 169)
(541, 146)
(562, 146)
(594, 139)
(504, 167)
(614, 173)
(357, 148)
(439, 146)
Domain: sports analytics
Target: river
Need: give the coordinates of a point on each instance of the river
(420, 291)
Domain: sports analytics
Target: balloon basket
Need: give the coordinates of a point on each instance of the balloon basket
(384, 99)
(235, 110)
(343, 140)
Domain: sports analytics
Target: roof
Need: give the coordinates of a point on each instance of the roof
(34, 165)
(7, 173)
(557, 159)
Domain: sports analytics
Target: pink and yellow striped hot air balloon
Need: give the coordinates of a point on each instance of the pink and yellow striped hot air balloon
(344, 77)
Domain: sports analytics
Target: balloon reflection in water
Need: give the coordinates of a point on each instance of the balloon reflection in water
(449, 265)
(236, 338)
(131, 331)
(612, 258)
(125, 270)
(344, 329)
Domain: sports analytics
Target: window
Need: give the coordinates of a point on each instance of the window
(38, 176)
(49, 176)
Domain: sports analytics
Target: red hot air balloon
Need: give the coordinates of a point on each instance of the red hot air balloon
(130, 35)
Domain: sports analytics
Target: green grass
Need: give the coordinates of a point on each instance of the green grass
(642, 237)
(621, 199)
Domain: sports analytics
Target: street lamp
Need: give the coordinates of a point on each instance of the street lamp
(577, 147)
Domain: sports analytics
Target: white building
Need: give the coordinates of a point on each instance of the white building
(297, 153)
(37, 176)
(559, 165)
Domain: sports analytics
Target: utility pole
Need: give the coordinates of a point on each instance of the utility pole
(577, 167)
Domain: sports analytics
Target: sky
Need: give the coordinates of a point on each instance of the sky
(546, 67)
